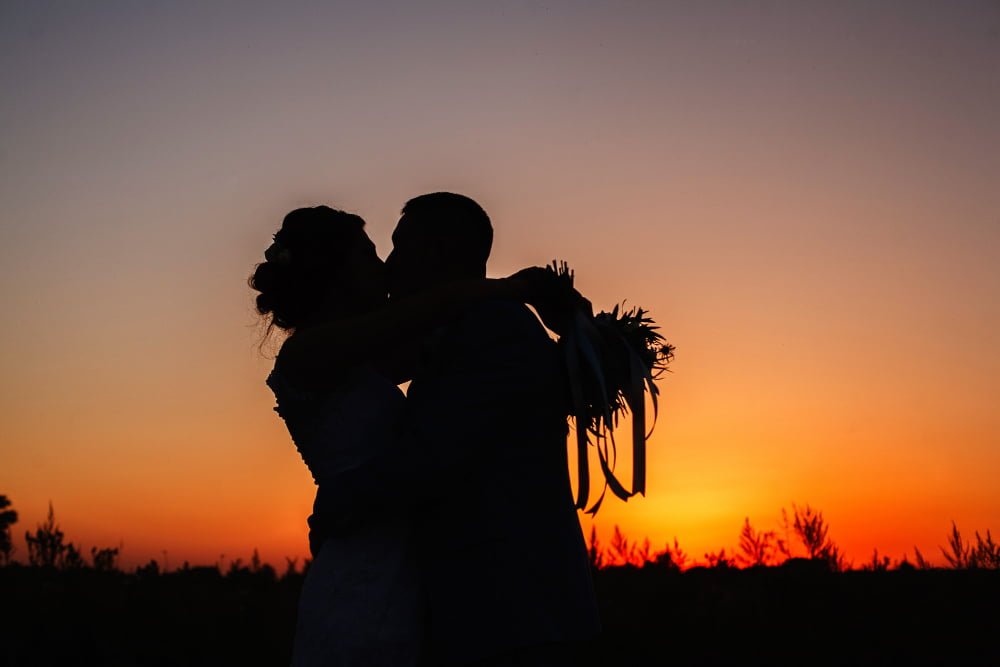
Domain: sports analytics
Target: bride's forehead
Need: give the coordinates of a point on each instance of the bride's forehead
(362, 247)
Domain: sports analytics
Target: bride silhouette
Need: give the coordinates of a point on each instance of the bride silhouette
(444, 529)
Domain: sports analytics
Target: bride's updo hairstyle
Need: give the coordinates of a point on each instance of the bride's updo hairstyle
(301, 265)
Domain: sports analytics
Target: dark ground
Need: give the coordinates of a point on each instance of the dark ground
(796, 614)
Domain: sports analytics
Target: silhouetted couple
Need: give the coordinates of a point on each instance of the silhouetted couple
(444, 530)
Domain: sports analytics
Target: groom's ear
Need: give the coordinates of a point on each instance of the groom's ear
(450, 259)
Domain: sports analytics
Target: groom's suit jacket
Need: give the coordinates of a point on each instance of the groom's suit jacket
(503, 557)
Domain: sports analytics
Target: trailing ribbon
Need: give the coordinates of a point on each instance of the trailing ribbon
(596, 416)
(576, 395)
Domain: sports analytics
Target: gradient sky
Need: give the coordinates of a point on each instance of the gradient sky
(806, 195)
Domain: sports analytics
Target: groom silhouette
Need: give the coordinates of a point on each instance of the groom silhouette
(480, 460)
(504, 562)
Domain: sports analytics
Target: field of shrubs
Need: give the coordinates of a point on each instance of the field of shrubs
(779, 600)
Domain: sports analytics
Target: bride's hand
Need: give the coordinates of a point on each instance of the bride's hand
(553, 296)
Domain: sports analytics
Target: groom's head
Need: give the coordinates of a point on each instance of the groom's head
(440, 237)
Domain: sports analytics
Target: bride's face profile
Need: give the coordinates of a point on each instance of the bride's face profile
(359, 282)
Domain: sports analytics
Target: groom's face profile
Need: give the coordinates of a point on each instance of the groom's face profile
(440, 237)
(410, 265)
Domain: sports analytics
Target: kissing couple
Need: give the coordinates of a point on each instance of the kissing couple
(444, 530)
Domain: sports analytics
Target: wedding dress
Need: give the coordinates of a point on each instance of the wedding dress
(360, 599)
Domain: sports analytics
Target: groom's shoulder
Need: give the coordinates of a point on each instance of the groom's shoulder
(503, 317)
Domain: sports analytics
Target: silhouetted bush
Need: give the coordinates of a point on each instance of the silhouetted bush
(72, 559)
(45, 547)
(877, 563)
(104, 559)
(985, 553)
(8, 518)
(757, 548)
(719, 560)
(655, 608)
(671, 558)
(150, 569)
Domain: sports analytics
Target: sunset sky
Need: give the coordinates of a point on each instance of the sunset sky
(805, 195)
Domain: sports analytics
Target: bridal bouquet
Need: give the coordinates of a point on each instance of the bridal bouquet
(612, 359)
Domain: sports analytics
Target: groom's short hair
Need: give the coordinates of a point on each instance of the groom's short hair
(456, 221)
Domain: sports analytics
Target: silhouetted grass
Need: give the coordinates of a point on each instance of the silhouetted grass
(799, 613)
(656, 608)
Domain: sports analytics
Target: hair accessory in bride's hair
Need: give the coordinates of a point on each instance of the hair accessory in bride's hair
(278, 253)
(612, 360)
